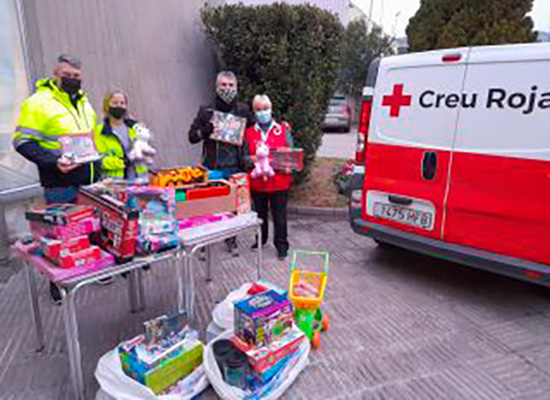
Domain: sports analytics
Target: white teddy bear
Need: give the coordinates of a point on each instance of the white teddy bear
(262, 167)
(142, 151)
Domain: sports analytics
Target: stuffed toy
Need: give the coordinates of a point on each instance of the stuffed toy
(262, 167)
(142, 151)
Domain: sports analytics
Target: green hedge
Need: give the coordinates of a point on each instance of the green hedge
(290, 53)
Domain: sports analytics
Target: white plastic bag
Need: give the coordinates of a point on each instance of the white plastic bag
(115, 384)
(213, 331)
(272, 390)
(224, 312)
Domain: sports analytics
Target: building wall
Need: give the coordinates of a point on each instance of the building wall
(155, 50)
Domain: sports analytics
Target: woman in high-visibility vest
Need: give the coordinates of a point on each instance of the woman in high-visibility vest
(116, 136)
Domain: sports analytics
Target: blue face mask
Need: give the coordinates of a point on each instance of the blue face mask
(263, 117)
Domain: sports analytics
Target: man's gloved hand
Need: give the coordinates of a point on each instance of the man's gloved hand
(206, 127)
(113, 163)
(206, 130)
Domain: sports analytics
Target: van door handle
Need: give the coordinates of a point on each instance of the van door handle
(402, 201)
(429, 165)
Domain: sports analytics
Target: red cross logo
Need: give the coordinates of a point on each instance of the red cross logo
(397, 100)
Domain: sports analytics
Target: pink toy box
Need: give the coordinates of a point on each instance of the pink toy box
(62, 221)
(55, 248)
(54, 273)
(263, 318)
(261, 359)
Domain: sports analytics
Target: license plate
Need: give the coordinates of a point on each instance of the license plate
(404, 215)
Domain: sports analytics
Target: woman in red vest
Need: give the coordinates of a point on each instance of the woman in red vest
(269, 191)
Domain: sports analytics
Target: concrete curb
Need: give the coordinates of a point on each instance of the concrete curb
(326, 212)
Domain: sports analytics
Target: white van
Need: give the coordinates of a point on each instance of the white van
(453, 157)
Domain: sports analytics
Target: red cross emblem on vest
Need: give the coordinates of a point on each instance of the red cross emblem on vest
(397, 100)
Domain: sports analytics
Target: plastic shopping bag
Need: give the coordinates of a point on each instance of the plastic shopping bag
(115, 384)
(271, 390)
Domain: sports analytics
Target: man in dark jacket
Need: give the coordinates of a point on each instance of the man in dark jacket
(223, 157)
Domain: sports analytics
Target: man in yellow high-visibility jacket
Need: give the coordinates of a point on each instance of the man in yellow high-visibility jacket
(58, 107)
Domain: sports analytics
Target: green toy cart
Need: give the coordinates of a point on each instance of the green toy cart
(306, 291)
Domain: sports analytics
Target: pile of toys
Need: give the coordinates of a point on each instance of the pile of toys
(62, 233)
(125, 218)
(264, 341)
(167, 352)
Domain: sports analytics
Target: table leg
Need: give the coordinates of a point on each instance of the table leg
(190, 290)
(132, 292)
(181, 278)
(209, 263)
(73, 345)
(140, 292)
(35, 307)
(259, 266)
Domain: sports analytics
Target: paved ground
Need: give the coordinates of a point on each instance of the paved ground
(338, 145)
(403, 326)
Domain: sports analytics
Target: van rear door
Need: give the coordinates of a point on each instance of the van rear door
(416, 103)
(499, 196)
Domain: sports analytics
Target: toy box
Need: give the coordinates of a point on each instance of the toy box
(165, 326)
(54, 248)
(119, 223)
(65, 232)
(228, 128)
(161, 357)
(255, 379)
(263, 318)
(79, 147)
(79, 258)
(286, 158)
(242, 186)
(60, 214)
(148, 244)
(169, 371)
(261, 359)
(213, 197)
(156, 209)
(178, 176)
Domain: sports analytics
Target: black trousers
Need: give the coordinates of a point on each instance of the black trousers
(277, 201)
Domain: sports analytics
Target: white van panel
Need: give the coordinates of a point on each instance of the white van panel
(417, 126)
(512, 114)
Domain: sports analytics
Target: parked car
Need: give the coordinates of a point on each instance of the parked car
(453, 157)
(338, 116)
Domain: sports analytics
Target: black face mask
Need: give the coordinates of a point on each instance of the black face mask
(70, 85)
(117, 112)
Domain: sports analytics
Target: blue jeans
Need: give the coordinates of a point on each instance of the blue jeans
(60, 195)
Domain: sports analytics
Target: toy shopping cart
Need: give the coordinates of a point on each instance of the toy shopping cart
(308, 279)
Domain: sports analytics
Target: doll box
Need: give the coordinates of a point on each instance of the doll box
(263, 318)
